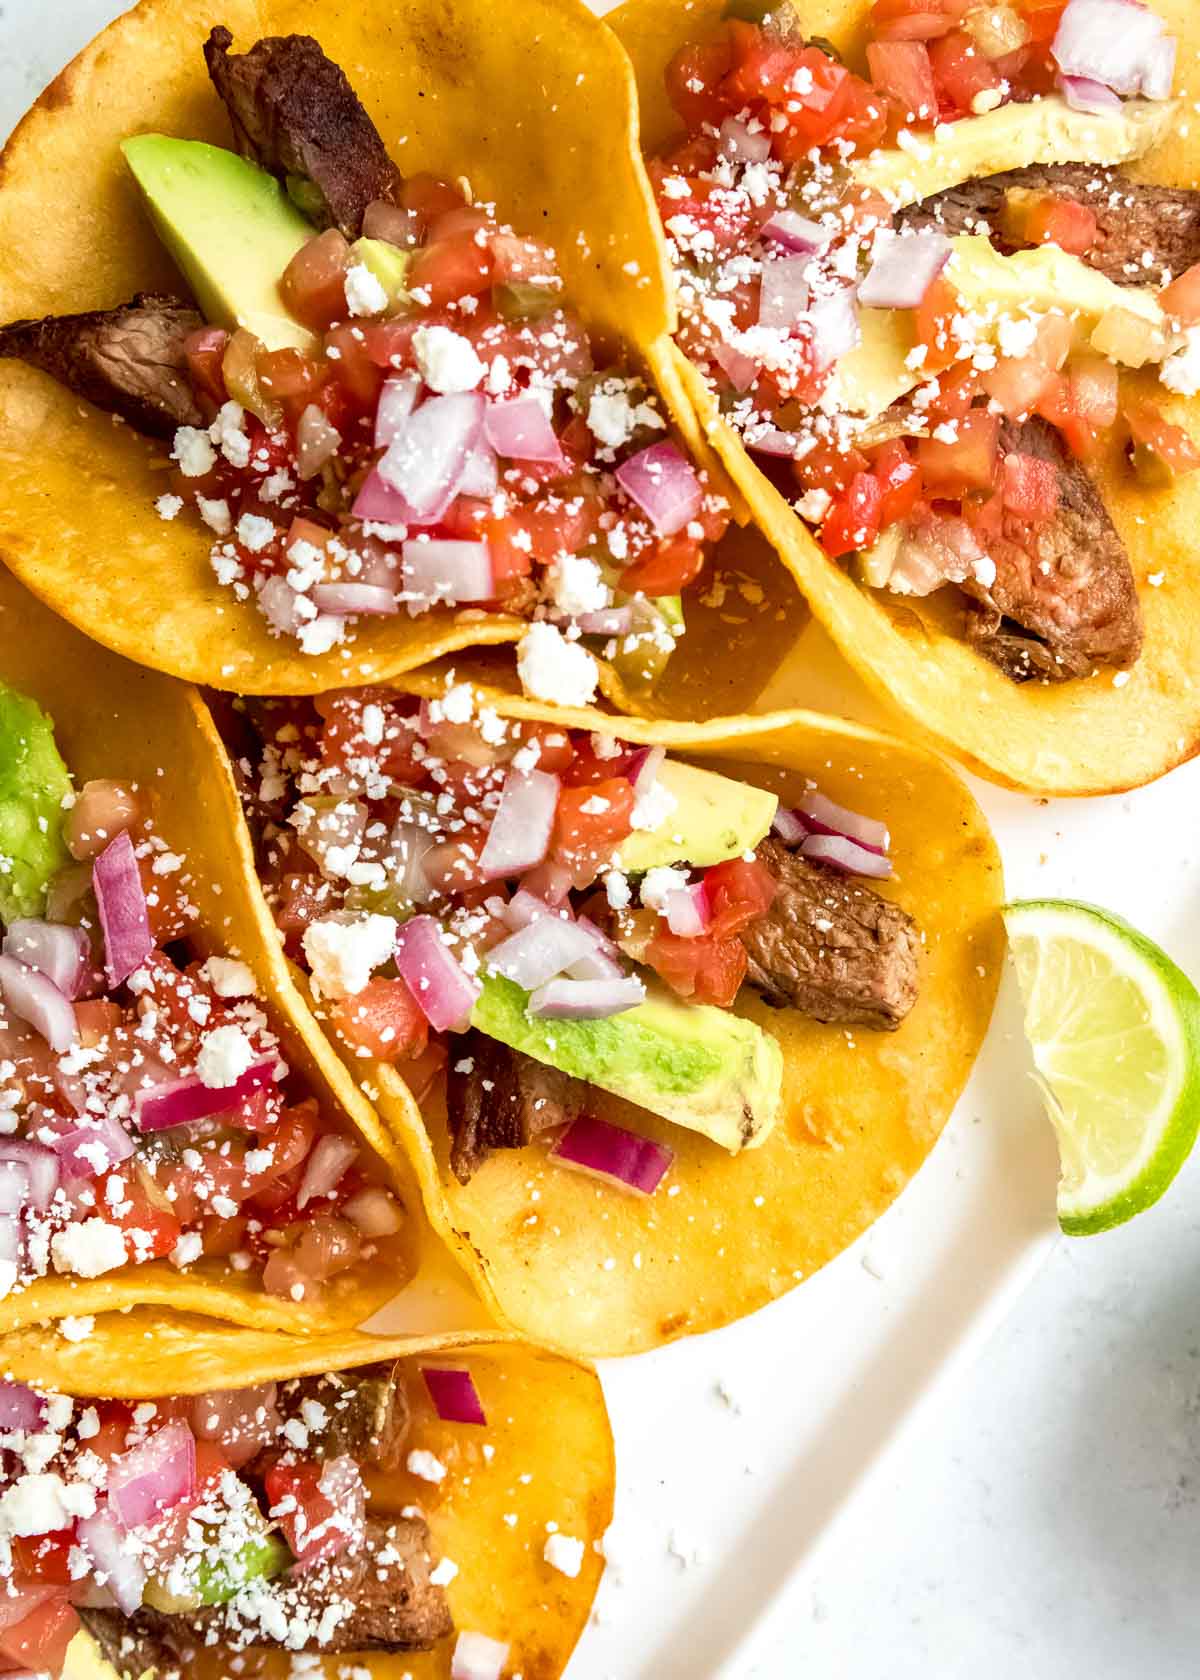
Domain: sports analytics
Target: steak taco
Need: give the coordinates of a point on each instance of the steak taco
(349, 1495)
(937, 273)
(664, 1016)
(172, 1130)
(339, 418)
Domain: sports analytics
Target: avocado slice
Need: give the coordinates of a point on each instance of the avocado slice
(212, 1575)
(1013, 136)
(700, 1067)
(389, 265)
(640, 658)
(231, 228)
(715, 818)
(34, 782)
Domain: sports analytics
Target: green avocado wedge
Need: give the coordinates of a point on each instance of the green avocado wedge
(34, 783)
(699, 1067)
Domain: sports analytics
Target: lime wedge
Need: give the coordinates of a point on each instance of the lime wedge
(1114, 1027)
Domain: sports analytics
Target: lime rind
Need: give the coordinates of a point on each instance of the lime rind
(1153, 1062)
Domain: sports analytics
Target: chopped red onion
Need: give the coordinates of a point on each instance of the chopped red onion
(1158, 69)
(243, 1420)
(60, 953)
(330, 1157)
(1094, 98)
(40, 1164)
(824, 817)
(14, 1189)
(377, 500)
(408, 844)
(397, 401)
(600, 964)
(122, 905)
(835, 332)
(520, 430)
(587, 1000)
(316, 442)
(606, 621)
(119, 1569)
(446, 569)
(644, 768)
(595, 1146)
(795, 232)
(454, 1395)
(790, 827)
(687, 910)
(16, 1603)
(12, 1244)
(845, 856)
(86, 1147)
(154, 1476)
(524, 907)
(179, 1102)
(20, 1408)
(784, 295)
(664, 485)
(38, 1001)
(905, 266)
(741, 370)
(438, 982)
(481, 475)
(771, 440)
(392, 224)
(738, 142)
(540, 950)
(476, 1657)
(277, 601)
(373, 1212)
(520, 832)
(425, 461)
(1110, 41)
(344, 599)
(551, 880)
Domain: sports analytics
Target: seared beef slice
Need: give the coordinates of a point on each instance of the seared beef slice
(128, 361)
(1063, 599)
(497, 1098)
(294, 112)
(365, 1414)
(1135, 221)
(831, 947)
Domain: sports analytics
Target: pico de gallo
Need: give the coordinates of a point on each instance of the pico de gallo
(914, 280)
(287, 1514)
(146, 1110)
(529, 921)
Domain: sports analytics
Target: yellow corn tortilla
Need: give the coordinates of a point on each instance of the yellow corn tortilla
(525, 111)
(114, 720)
(598, 1271)
(553, 1463)
(1091, 735)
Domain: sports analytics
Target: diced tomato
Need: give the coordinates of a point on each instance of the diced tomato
(936, 315)
(969, 463)
(1029, 487)
(421, 1072)
(1017, 383)
(222, 1237)
(1181, 299)
(151, 1232)
(555, 749)
(358, 373)
(40, 1641)
(297, 899)
(314, 283)
(1044, 20)
(1162, 451)
(383, 1021)
(826, 468)
(451, 269)
(303, 1510)
(292, 378)
(738, 892)
(840, 106)
(591, 821)
(667, 570)
(43, 1558)
(1046, 218)
(587, 767)
(709, 969)
(429, 196)
(961, 72)
(520, 262)
(205, 352)
(1079, 416)
(96, 1018)
(693, 79)
(900, 481)
(915, 20)
(854, 519)
(1095, 386)
(902, 72)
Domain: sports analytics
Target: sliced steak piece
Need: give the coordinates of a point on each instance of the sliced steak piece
(1063, 599)
(294, 112)
(129, 1646)
(831, 947)
(1135, 221)
(128, 361)
(497, 1098)
(376, 1597)
(363, 1413)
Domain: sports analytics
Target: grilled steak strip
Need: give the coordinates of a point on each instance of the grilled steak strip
(128, 361)
(294, 112)
(380, 1590)
(831, 947)
(497, 1098)
(1063, 599)
(1143, 231)
(366, 1414)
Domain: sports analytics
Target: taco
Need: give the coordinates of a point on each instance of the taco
(348, 1495)
(363, 423)
(664, 1016)
(173, 1130)
(935, 268)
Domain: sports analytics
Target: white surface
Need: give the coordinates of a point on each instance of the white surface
(939, 1497)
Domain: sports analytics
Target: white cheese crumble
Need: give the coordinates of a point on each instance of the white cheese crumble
(229, 978)
(658, 882)
(564, 1553)
(224, 1056)
(365, 294)
(168, 506)
(424, 1464)
(653, 807)
(88, 1247)
(613, 418)
(1181, 372)
(577, 585)
(447, 360)
(343, 955)
(193, 451)
(554, 669)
